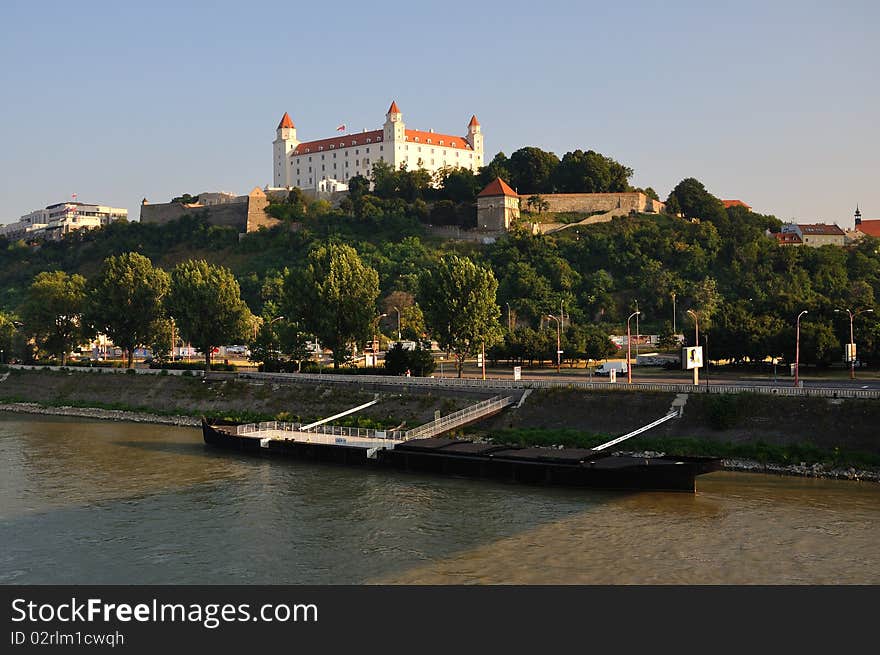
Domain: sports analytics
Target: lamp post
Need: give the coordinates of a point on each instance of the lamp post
(637, 329)
(797, 349)
(558, 342)
(673, 312)
(696, 343)
(629, 375)
(397, 309)
(509, 329)
(852, 340)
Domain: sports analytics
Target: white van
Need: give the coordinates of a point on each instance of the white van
(607, 367)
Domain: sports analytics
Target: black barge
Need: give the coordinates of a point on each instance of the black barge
(573, 467)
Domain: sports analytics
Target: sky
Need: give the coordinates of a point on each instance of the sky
(774, 103)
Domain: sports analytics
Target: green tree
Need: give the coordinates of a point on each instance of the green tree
(53, 312)
(458, 300)
(205, 302)
(125, 301)
(691, 198)
(590, 172)
(335, 296)
(532, 170)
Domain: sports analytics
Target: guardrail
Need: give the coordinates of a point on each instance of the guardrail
(459, 418)
(493, 384)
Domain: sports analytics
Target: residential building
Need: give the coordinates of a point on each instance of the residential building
(817, 234)
(735, 203)
(787, 238)
(58, 220)
(497, 206)
(328, 164)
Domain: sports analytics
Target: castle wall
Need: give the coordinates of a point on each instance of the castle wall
(245, 216)
(620, 203)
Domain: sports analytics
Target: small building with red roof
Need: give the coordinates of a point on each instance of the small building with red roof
(735, 203)
(864, 227)
(497, 206)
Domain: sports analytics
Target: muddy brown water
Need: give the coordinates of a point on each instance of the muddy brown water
(86, 501)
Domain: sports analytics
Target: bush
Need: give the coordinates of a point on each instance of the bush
(419, 362)
(723, 411)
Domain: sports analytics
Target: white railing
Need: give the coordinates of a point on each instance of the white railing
(459, 418)
(825, 392)
(338, 430)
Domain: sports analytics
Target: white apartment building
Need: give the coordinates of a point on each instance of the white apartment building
(60, 219)
(328, 164)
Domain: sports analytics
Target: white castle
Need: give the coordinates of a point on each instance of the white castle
(328, 164)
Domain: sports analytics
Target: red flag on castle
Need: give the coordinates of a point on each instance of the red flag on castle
(341, 128)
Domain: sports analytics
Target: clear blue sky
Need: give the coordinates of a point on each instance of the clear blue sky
(775, 103)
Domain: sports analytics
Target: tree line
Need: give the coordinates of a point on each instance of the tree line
(333, 297)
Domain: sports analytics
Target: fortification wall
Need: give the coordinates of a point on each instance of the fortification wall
(620, 203)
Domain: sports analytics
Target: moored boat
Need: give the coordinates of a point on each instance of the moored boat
(575, 467)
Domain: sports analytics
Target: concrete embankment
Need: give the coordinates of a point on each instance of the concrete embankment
(827, 423)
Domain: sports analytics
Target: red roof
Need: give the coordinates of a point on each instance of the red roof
(435, 139)
(497, 187)
(393, 108)
(474, 122)
(787, 238)
(285, 121)
(735, 203)
(821, 228)
(338, 142)
(870, 227)
(375, 136)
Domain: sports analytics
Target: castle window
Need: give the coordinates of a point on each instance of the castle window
(367, 150)
(309, 150)
(432, 150)
(429, 140)
(342, 145)
(357, 152)
(381, 148)
(441, 142)
(334, 154)
(320, 147)
(331, 146)
(368, 140)
(417, 139)
(310, 159)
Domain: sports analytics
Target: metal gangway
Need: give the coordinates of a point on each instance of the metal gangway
(629, 435)
(462, 417)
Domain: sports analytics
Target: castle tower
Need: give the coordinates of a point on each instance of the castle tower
(475, 139)
(285, 141)
(394, 134)
(858, 216)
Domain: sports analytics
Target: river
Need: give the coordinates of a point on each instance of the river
(121, 503)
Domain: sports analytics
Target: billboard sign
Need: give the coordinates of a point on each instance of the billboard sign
(691, 358)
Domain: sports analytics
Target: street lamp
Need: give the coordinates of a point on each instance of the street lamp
(397, 309)
(673, 312)
(852, 341)
(696, 343)
(629, 375)
(508, 317)
(797, 349)
(558, 341)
